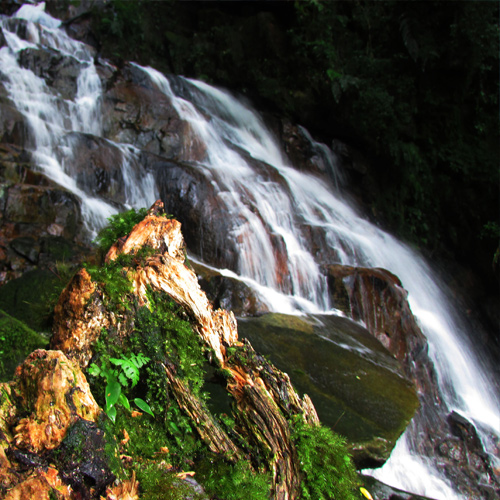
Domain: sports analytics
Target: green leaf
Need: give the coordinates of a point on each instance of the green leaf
(112, 414)
(94, 370)
(143, 406)
(113, 391)
(123, 400)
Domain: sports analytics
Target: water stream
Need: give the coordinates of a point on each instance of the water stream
(54, 118)
(267, 204)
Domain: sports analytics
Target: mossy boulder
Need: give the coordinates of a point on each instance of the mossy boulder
(16, 342)
(31, 297)
(357, 386)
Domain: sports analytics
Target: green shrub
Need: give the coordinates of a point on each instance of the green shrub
(119, 225)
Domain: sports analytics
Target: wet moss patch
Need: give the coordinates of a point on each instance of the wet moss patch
(17, 341)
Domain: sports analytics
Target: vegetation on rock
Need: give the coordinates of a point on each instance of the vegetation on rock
(16, 341)
(158, 353)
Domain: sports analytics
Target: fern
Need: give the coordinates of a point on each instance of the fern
(117, 379)
(130, 367)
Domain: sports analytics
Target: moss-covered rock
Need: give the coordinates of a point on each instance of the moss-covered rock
(357, 386)
(31, 297)
(16, 341)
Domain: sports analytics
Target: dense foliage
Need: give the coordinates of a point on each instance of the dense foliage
(412, 85)
(119, 225)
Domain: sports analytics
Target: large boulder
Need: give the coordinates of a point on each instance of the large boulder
(357, 386)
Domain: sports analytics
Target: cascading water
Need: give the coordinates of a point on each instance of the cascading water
(300, 201)
(54, 118)
(273, 208)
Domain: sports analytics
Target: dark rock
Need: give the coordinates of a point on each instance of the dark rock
(39, 205)
(27, 247)
(59, 72)
(193, 200)
(229, 293)
(97, 167)
(12, 125)
(30, 298)
(358, 388)
(83, 460)
(137, 112)
(309, 155)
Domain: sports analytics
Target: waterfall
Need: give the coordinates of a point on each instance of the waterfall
(227, 126)
(273, 209)
(54, 118)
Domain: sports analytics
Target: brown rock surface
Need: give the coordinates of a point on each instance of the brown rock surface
(376, 297)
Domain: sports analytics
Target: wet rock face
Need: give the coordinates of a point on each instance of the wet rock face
(40, 222)
(60, 73)
(137, 112)
(192, 199)
(228, 293)
(376, 297)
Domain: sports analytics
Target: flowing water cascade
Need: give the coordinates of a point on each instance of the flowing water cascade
(300, 201)
(55, 119)
(276, 214)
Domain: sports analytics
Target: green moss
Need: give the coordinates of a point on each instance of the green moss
(119, 225)
(16, 342)
(162, 332)
(233, 481)
(114, 282)
(32, 297)
(326, 466)
(156, 483)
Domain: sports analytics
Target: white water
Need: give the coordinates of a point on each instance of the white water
(52, 118)
(300, 200)
(273, 202)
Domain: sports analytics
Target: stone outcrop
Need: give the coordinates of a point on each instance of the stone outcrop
(40, 222)
(377, 298)
(358, 387)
